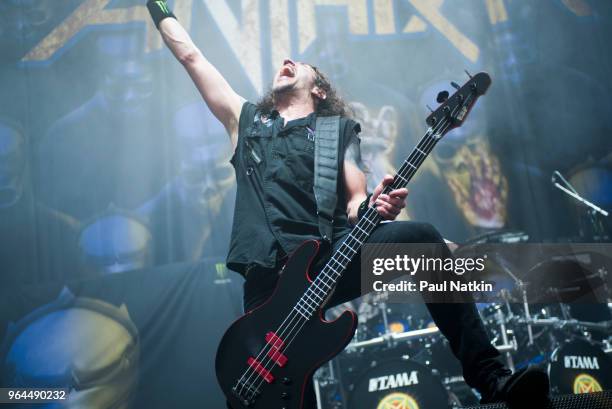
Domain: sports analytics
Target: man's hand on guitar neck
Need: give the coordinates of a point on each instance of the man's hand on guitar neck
(389, 205)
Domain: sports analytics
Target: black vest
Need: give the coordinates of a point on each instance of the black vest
(276, 208)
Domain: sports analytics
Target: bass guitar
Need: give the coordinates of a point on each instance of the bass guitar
(267, 357)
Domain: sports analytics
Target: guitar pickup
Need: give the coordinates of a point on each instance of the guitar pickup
(258, 367)
(278, 357)
(274, 341)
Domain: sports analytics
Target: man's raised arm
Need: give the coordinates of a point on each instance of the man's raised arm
(221, 99)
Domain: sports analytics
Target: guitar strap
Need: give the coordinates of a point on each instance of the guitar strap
(326, 160)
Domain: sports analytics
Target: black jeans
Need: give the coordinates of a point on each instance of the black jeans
(459, 322)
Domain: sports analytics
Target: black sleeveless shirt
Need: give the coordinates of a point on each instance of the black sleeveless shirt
(275, 206)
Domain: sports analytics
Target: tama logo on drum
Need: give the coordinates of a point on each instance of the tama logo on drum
(393, 381)
(580, 362)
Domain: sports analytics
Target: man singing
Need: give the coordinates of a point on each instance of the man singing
(276, 208)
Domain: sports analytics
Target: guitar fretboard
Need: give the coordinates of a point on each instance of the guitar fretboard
(323, 284)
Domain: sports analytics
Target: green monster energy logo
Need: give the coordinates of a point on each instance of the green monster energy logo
(221, 270)
(163, 6)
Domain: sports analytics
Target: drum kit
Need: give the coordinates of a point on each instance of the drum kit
(398, 358)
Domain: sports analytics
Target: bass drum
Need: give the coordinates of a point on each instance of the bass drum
(578, 366)
(398, 384)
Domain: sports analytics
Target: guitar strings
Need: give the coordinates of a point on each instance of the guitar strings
(291, 316)
(324, 275)
(291, 322)
(322, 278)
(371, 224)
(303, 322)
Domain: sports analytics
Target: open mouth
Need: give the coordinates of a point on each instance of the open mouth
(288, 71)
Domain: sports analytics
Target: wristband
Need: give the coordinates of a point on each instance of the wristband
(159, 10)
(363, 207)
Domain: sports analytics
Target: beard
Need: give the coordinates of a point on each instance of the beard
(283, 89)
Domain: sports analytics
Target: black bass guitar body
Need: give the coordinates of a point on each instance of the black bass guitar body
(275, 380)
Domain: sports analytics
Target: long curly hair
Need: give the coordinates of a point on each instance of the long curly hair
(332, 105)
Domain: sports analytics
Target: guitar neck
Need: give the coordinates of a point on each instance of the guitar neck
(323, 285)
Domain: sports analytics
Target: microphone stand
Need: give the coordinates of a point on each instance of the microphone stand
(593, 209)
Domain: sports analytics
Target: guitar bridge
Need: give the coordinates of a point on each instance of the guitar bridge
(245, 393)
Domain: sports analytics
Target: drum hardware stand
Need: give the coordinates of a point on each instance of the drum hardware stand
(506, 342)
(385, 317)
(523, 288)
(605, 326)
(594, 210)
(505, 295)
(388, 338)
(508, 345)
(564, 307)
(325, 380)
(332, 375)
(317, 393)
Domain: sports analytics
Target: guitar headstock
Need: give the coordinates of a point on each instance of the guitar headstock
(453, 110)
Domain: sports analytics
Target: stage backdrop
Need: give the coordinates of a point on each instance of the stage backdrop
(116, 192)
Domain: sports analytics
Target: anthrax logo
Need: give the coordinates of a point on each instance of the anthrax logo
(584, 383)
(243, 35)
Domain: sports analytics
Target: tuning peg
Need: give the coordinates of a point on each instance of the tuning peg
(455, 85)
(468, 74)
(442, 97)
(428, 107)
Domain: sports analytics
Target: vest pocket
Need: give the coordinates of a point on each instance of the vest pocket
(300, 166)
(255, 142)
(253, 153)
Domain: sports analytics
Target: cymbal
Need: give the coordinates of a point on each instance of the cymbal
(566, 280)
